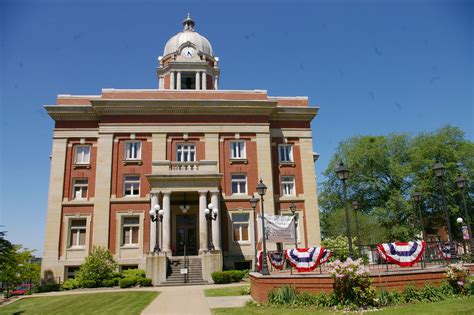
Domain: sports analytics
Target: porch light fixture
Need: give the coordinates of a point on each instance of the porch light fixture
(211, 215)
(156, 214)
(261, 190)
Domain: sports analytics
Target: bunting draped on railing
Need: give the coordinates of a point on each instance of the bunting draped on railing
(325, 256)
(444, 250)
(277, 259)
(306, 259)
(404, 254)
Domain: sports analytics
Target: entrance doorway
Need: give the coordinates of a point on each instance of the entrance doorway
(186, 235)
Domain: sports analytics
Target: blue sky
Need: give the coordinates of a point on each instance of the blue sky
(374, 67)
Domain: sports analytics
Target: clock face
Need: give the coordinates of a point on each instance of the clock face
(188, 52)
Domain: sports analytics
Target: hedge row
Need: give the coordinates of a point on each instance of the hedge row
(228, 276)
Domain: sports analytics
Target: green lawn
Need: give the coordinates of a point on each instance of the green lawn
(451, 306)
(88, 303)
(226, 291)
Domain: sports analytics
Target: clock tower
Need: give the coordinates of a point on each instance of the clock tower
(188, 62)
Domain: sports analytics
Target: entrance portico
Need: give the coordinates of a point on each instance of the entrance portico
(175, 184)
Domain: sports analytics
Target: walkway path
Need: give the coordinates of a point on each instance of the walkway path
(191, 300)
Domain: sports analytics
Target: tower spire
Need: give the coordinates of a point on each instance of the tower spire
(188, 23)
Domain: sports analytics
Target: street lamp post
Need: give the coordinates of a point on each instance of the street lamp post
(261, 190)
(461, 183)
(157, 215)
(355, 206)
(343, 174)
(460, 222)
(439, 170)
(417, 198)
(211, 214)
(253, 203)
(293, 210)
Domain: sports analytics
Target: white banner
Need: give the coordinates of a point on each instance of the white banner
(278, 228)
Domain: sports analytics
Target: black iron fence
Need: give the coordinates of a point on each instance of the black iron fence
(436, 254)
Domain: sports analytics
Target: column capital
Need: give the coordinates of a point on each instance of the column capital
(202, 192)
(166, 192)
(214, 192)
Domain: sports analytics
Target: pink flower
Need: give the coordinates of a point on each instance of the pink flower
(460, 283)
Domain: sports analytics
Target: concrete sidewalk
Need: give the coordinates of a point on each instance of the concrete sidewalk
(191, 300)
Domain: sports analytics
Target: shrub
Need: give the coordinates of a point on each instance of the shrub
(109, 282)
(48, 287)
(286, 295)
(430, 293)
(145, 282)
(458, 278)
(386, 298)
(70, 284)
(98, 266)
(133, 273)
(128, 282)
(236, 275)
(221, 277)
(340, 247)
(410, 294)
(352, 285)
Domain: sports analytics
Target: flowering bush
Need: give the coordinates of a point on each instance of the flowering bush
(458, 278)
(352, 285)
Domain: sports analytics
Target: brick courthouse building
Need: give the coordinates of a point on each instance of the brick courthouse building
(182, 146)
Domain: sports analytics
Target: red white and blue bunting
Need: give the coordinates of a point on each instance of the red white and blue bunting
(444, 250)
(325, 257)
(306, 259)
(277, 259)
(404, 254)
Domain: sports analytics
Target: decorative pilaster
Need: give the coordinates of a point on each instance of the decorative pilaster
(178, 81)
(202, 222)
(204, 81)
(166, 222)
(216, 224)
(198, 80)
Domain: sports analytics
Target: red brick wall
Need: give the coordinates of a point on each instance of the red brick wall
(260, 286)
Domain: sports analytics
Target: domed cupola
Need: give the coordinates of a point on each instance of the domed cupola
(188, 62)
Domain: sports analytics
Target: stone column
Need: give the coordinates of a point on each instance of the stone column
(204, 81)
(198, 81)
(216, 224)
(202, 222)
(172, 80)
(216, 82)
(178, 81)
(100, 230)
(53, 216)
(166, 222)
(153, 231)
(161, 83)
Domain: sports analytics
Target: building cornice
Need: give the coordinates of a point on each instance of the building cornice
(294, 113)
(72, 112)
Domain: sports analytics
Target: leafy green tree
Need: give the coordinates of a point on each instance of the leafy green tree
(98, 266)
(384, 173)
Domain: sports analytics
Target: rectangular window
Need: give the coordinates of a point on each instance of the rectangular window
(71, 271)
(130, 228)
(240, 227)
(79, 189)
(77, 233)
(185, 153)
(133, 150)
(237, 150)
(287, 186)
(82, 154)
(131, 185)
(285, 152)
(239, 184)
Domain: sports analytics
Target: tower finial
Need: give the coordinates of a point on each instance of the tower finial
(188, 23)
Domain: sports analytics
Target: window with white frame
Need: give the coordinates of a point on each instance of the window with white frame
(288, 185)
(82, 154)
(130, 229)
(80, 189)
(240, 227)
(133, 150)
(77, 232)
(285, 152)
(185, 152)
(239, 184)
(131, 185)
(237, 149)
